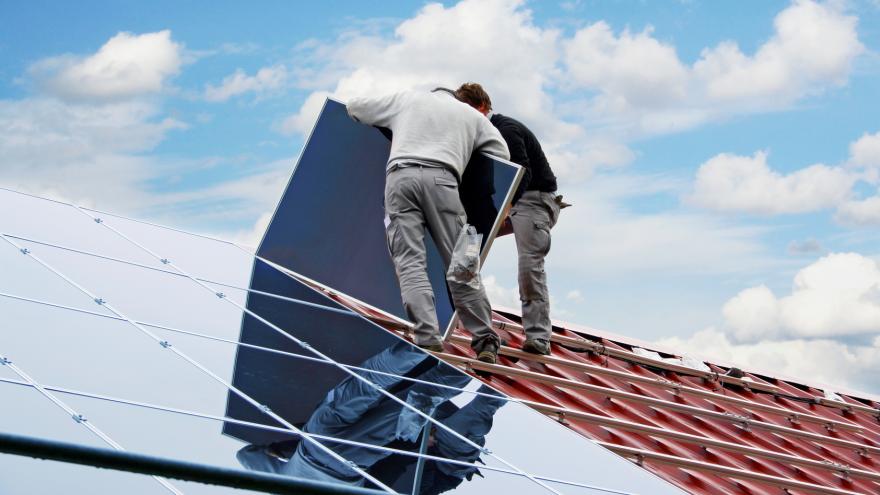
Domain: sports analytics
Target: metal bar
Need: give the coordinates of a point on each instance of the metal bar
(176, 274)
(165, 344)
(784, 483)
(420, 464)
(212, 417)
(792, 416)
(77, 417)
(40, 448)
(567, 383)
(318, 353)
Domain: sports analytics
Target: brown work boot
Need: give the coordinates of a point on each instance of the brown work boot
(536, 346)
(432, 347)
(488, 356)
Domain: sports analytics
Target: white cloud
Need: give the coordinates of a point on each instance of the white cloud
(587, 95)
(865, 154)
(574, 296)
(635, 68)
(729, 182)
(644, 87)
(813, 362)
(812, 48)
(838, 295)
(85, 153)
(128, 65)
(421, 54)
(865, 212)
(500, 295)
(266, 80)
(753, 314)
(303, 121)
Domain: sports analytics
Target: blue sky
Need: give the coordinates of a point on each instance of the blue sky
(722, 157)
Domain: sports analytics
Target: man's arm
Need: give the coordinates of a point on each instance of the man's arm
(376, 111)
(489, 140)
(517, 145)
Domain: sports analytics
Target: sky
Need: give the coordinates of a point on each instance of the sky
(723, 159)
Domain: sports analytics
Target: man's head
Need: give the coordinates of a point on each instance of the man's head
(474, 95)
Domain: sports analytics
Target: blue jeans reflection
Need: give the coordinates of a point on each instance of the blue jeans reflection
(358, 412)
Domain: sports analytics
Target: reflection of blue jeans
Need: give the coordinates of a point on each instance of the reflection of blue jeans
(300, 467)
(359, 412)
(473, 421)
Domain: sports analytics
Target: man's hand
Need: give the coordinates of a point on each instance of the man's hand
(506, 226)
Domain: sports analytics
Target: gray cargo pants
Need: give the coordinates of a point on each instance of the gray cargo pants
(532, 217)
(417, 197)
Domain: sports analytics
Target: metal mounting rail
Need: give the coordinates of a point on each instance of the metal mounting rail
(784, 483)
(567, 383)
(54, 450)
(676, 387)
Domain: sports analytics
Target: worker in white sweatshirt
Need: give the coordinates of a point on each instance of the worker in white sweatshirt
(434, 136)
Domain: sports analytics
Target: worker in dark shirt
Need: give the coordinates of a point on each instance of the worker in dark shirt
(535, 211)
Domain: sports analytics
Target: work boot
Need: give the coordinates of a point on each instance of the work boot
(536, 346)
(432, 347)
(488, 356)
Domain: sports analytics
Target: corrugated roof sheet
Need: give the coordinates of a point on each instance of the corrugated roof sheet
(701, 429)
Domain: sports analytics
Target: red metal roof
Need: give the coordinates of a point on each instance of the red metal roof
(702, 430)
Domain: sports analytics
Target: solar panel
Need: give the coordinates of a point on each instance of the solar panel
(328, 226)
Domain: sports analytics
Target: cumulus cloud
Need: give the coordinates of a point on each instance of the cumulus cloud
(421, 54)
(589, 94)
(127, 65)
(86, 153)
(837, 296)
(266, 80)
(644, 86)
(864, 212)
(500, 295)
(636, 68)
(812, 48)
(813, 362)
(89, 132)
(730, 182)
(865, 155)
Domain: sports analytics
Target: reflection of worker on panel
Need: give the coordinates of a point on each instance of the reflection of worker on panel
(535, 211)
(434, 136)
(359, 413)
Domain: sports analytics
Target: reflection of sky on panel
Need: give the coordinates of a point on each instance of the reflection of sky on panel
(144, 294)
(32, 414)
(58, 223)
(226, 264)
(25, 277)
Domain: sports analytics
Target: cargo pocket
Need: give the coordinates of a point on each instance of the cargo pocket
(542, 237)
(390, 235)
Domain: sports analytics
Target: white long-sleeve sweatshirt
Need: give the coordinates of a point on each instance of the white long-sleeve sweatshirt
(430, 128)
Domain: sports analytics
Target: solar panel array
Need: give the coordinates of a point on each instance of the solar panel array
(125, 334)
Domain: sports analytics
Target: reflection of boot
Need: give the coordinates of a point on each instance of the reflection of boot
(260, 458)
